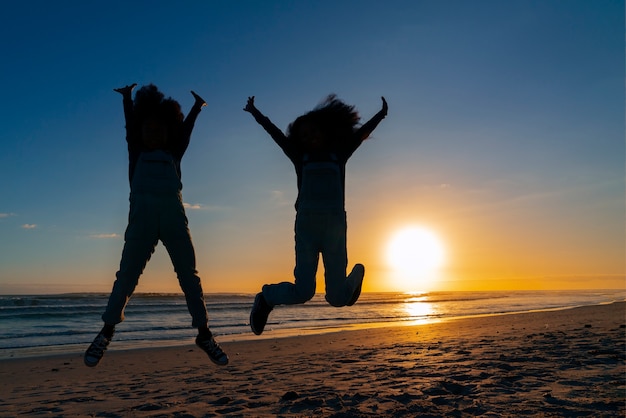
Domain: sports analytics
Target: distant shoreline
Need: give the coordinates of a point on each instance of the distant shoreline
(252, 294)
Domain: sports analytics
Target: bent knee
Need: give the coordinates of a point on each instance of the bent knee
(303, 294)
(336, 300)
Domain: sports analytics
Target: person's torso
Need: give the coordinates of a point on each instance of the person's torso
(155, 172)
(321, 184)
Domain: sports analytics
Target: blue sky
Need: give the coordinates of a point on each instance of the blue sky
(505, 136)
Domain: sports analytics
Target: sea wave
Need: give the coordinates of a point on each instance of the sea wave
(74, 319)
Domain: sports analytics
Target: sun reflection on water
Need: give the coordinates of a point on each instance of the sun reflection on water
(418, 310)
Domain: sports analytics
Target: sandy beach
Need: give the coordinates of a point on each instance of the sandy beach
(558, 363)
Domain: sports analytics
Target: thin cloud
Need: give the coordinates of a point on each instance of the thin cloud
(6, 215)
(195, 206)
(278, 197)
(104, 236)
(199, 206)
(29, 226)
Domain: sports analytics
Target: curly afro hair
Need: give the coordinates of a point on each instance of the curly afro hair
(335, 119)
(150, 103)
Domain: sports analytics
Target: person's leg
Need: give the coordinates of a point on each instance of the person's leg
(340, 290)
(135, 256)
(140, 240)
(176, 238)
(141, 237)
(334, 254)
(307, 258)
(285, 293)
(182, 254)
(355, 279)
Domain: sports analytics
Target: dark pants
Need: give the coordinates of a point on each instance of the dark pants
(155, 217)
(317, 232)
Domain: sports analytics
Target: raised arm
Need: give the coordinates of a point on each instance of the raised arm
(179, 146)
(276, 134)
(132, 129)
(127, 98)
(365, 130)
(190, 120)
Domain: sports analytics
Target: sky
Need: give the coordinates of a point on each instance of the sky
(504, 138)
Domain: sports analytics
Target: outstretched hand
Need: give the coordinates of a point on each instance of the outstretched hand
(199, 100)
(385, 107)
(126, 89)
(250, 105)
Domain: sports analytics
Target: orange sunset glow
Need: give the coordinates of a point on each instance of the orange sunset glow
(500, 163)
(415, 256)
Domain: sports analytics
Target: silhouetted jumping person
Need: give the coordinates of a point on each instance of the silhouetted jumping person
(318, 143)
(157, 134)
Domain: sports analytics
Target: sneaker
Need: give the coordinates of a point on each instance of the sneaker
(258, 316)
(212, 348)
(96, 350)
(357, 275)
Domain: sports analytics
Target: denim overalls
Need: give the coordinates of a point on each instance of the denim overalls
(320, 227)
(156, 213)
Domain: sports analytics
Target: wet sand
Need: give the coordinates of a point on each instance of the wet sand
(557, 363)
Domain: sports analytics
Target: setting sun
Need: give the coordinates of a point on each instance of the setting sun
(415, 254)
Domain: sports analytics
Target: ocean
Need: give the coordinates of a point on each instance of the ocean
(49, 324)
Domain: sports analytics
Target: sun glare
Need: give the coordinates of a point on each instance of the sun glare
(415, 255)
